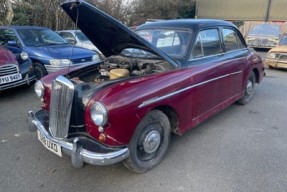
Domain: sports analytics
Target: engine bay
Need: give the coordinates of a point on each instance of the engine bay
(119, 66)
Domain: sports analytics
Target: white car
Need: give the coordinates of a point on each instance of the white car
(78, 38)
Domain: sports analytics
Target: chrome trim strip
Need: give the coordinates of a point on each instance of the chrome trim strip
(156, 99)
(235, 73)
(219, 54)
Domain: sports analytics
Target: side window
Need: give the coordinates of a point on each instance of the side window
(231, 40)
(207, 43)
(7, 35)
(68, 36)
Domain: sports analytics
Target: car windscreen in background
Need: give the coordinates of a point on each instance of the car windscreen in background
(266, 29)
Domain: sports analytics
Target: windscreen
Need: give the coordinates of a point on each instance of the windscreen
(266, 29)
(40, 37)
(172, 42)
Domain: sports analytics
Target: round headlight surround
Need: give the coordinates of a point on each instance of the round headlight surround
(24, 55)
(39, 89)
(99, 114)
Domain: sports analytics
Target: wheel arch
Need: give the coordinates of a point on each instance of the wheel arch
(256, 73)
(172, 116)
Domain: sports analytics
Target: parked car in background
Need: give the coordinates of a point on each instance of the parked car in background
(48, 51)
(15, 69)
(263, 36)
(277, 56)
(125, 107)
(78, 38)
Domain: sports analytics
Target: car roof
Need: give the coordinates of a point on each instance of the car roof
(186, 23)
(23, 27)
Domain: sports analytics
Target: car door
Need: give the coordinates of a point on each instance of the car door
(235, 54)
(210, 79)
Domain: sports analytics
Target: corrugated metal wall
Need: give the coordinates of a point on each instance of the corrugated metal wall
(247, 10)
(278, 10)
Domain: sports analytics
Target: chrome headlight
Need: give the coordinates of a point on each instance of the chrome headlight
(99, 114)
(272, 55)
(57, 62)
(39, 89)
(24, 56)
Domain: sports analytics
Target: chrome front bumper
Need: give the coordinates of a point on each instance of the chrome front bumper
(78, 153)
(26, 81)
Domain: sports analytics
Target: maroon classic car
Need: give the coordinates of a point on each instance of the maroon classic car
(125, 107)
(15, 69)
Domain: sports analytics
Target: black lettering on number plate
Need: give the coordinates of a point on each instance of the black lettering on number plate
(15, 77)
(52, 146)
(43, 139)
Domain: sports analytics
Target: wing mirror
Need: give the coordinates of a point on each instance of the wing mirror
(12, 43)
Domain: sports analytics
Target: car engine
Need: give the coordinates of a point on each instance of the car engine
(119, 66)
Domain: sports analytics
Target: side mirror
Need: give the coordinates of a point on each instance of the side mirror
(71, 40)
(12, 43)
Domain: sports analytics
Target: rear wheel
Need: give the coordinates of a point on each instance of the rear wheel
(39, 70)
(149, 142)
(249, 89)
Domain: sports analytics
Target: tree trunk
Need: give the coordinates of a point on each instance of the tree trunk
(10, 13)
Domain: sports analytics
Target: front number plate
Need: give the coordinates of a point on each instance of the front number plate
(50, 145)
(10, 78)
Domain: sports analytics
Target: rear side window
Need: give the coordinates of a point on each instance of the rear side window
(231, 40)
(207, 43)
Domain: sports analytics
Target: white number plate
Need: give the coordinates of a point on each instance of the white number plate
(50, 145)
(10, 78)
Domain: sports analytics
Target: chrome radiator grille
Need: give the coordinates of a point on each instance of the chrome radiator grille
(8, 69)
(60, 107)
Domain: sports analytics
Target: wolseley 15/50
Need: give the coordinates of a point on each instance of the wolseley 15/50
(167, 77)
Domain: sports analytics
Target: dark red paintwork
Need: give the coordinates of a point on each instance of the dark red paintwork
(7, 57)
(191, 107)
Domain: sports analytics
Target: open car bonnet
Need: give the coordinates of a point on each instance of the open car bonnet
(106, 33)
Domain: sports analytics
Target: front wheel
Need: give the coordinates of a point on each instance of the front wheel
(39, 70)
(149, 142)
(249, 89)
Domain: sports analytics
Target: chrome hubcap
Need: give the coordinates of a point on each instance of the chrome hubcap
(151, 142)
(249, 87)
